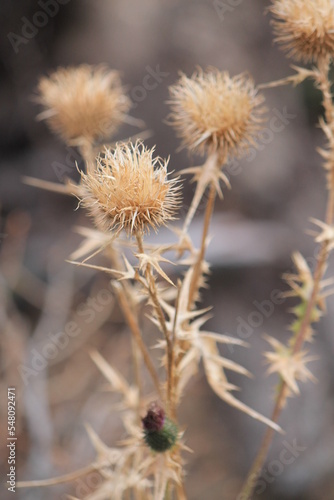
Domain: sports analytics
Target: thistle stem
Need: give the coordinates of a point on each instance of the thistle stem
(194, 283)
(321, 77)
(171, 396)
(260, 458)
(254, 472)
(136, 359)
(208, 171)
(133, 324)
(126, 304)
(152, 289)
(88, 154)
(197, 268)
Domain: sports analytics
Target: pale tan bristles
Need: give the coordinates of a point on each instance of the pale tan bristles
(304, 28)
(83, 103)
(291, 367)
(130, 190)
(212, 111)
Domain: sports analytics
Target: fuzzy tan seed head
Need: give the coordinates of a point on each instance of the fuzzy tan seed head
(130, 190)
(304, 28)
(212, 111)
(83, 103)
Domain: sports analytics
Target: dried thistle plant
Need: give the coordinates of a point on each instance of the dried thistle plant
(126, 192)
(306, 31)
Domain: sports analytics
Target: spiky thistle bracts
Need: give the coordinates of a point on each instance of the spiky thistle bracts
(290, 366)
(83, 103)
(130, 190)
(304, 29)
(214, 112)
(301, 284)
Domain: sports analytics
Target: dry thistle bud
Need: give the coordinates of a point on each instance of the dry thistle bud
(160, 433)
(214, 112)
(129, 190)
(83, 103)
(304, 28)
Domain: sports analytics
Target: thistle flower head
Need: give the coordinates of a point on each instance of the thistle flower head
(83, 102)
(129, 190)
(305, 29)
(215, 112)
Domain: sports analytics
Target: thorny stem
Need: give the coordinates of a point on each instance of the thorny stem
(152, 289)
(138, 347)
(325, 87)
(282, 391)
(125, 302)
(197, 268)
(259, 460)
(171, 396)
(330, 206)
(318, 274)
(136, 357)
(212, 163)
(321, 77)
(169, 338)
(181, 495)
(133, 324)
(208, 170)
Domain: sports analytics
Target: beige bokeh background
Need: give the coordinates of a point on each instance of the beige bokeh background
(256, 227)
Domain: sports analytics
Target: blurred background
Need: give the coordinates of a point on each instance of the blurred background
(275, 189)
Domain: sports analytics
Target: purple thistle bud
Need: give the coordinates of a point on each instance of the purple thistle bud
(154, 419)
